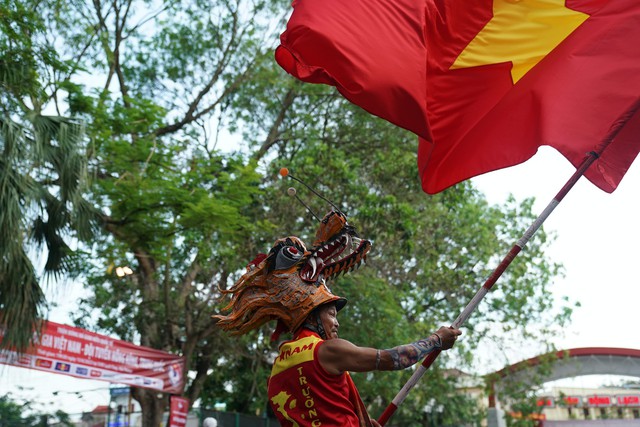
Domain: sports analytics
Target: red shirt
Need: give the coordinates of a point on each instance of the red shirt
(302, 393)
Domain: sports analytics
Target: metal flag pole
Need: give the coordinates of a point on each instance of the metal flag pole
(591, 157)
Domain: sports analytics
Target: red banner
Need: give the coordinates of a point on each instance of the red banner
(72, 351)
(178, 411)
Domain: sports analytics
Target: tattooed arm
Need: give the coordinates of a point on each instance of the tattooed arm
(338, 355)
(407, 355)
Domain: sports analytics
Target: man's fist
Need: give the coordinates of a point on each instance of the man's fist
(448, 336)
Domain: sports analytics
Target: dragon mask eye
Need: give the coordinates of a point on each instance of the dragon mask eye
(287, 257)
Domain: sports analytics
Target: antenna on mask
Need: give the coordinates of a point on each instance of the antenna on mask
(284, 172)
(292, 192)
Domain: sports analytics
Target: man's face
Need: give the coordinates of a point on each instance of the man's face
(329, 318)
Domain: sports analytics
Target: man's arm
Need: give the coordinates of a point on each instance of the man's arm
(338, 355)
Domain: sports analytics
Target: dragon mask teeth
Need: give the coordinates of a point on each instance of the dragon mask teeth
(338, 256)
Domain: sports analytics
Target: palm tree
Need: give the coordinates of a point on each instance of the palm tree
(42, 176)
(42, 179)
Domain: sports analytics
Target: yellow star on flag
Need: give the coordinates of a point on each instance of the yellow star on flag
(521, 32)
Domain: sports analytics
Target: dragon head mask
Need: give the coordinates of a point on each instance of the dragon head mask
(289, 282)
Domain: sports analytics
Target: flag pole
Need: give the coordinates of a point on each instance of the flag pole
(480, 294)
(591, 157)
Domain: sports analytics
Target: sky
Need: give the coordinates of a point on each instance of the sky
(596, 241)
(597, 234)
(597, 237)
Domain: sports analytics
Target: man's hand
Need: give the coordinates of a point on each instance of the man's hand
(448, 336)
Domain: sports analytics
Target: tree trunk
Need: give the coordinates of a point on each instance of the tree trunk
(153, 405)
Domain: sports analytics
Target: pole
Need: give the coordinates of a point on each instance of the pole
(493, 278)
(129, 409)
(109, 410)
(591, 157)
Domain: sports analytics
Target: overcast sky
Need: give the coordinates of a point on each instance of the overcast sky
(597, 242)
(597, 237)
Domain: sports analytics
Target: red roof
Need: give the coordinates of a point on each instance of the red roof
(100, 409)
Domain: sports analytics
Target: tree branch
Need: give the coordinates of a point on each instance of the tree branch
(274, 131)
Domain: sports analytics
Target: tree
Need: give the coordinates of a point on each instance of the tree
(170, 81)
(180, 213)
(15, 414)
(42, 175)
(430, 253)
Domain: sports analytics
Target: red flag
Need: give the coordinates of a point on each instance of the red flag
(484, 83)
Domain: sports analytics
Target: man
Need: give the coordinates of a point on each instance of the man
(310, 383)
(312, 370)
